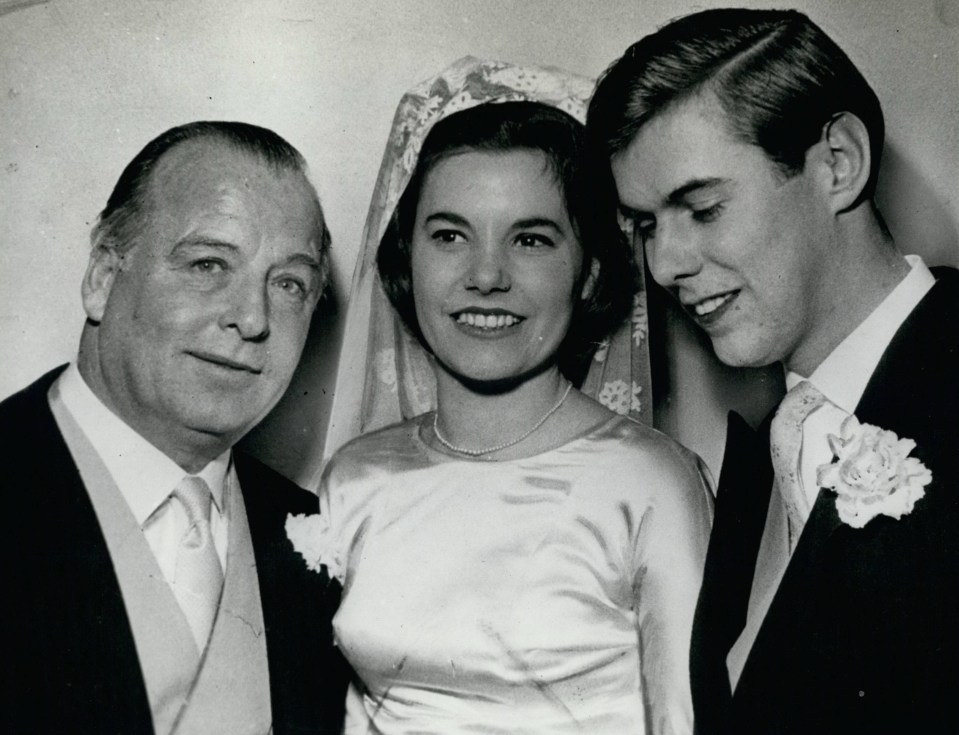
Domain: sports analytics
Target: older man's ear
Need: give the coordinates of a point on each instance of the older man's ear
(105, 263)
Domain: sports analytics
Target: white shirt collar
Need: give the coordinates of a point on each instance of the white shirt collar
(842, 377)
(144, 474)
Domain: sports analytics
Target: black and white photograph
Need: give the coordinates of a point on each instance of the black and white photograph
(421, 367)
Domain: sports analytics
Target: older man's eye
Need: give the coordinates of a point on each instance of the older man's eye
(207, 266)
(292, 287)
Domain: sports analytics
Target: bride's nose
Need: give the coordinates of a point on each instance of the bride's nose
(488, 269)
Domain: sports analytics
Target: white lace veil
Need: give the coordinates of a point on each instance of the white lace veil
(384, 375)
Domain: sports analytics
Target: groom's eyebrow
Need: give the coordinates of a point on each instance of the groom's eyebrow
(678, 195)
(676, 198)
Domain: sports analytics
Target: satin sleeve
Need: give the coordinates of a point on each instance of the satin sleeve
(348, 491)
(669, 555)
(357, 720)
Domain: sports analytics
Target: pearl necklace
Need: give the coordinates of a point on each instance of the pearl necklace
(489, 450)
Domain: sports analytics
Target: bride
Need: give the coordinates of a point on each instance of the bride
(521, 559)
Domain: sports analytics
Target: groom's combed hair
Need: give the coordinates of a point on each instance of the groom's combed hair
(778, 77)
(589, 196)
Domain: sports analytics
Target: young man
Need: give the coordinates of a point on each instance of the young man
(150, 584)
(745, 147)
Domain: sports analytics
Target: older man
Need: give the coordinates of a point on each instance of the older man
(745, 147)
(149, 583)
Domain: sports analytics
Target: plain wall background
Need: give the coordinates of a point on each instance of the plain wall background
(84, 84)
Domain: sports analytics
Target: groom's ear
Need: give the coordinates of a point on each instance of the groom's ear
(843, 161)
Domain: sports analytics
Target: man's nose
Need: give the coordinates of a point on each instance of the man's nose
(673, 254)
(489, 268)
(247, 310)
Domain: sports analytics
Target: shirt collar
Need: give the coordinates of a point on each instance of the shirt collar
(842, 377)
(144, 474)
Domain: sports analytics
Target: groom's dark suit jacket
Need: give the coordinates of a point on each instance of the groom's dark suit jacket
(70, 660)
(863, 633)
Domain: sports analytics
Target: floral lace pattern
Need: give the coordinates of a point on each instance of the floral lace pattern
(619, 396)
(640, 319)
(601, 351)
(386, 367)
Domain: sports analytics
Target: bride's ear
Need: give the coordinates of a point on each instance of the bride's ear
(589, 285)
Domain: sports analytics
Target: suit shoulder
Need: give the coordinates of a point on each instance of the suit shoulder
(265, 485)
(27, 406)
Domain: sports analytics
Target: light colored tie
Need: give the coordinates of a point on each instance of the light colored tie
(198, 580)
(785, 447)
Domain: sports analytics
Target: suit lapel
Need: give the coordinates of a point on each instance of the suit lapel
(741, 503)
(783, 625)
(72, 611)
(307, 675)
(165, 647)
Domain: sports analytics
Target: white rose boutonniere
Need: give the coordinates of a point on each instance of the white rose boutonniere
(872, 473)
(312, 538)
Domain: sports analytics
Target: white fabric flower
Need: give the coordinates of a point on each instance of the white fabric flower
(312, 538)
(872, 473)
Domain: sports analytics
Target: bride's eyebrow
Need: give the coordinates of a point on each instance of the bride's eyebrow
(533, 222)
(450, 217)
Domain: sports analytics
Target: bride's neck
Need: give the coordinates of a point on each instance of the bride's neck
(473, 418)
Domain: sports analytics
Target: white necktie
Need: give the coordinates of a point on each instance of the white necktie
(198, 580)
(785, 444)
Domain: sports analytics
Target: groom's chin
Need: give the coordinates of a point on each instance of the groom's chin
(739, 349)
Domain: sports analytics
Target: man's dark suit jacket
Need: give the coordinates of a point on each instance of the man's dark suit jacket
(70, 659)
(863, 633)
